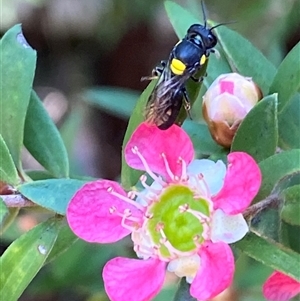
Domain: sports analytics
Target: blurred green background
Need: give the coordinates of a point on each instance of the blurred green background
(91, 56)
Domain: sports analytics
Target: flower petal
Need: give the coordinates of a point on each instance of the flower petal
(152, 142)
(89, 216)
(133, 279)
(215, 273)
(242, 182)
(213, 173)
(280, 287)
(228, 228)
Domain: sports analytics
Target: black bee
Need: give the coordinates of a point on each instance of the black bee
(185, 60)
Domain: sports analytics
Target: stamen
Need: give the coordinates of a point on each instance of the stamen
(199, 215)
(135, 150)
(201, 178)
(127, 216)
(167, 166)
(126, 199)
(173, 251)
(197, 187)
(183, 170)
(143, 180)
(131, 194)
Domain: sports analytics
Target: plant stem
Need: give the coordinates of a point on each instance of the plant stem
(16, 200)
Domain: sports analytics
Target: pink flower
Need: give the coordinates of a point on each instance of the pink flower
(280, 287)
(183, 221)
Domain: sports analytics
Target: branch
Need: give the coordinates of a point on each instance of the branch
(16, 200)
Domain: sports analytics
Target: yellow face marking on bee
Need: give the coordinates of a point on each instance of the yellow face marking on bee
(203, 59)
(177, 66)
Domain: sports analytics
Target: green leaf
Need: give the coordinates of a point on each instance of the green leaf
(289, 124)
(119, 102)
(3, 212)
(203, 143)
(53, 194)
(180, 18)
(258, 133)
(276, 168)
(9, 216)
(24, 258)
(290, 212)
(271, 254)
(266, 224)
(17, 65)
(8, 171)
(43, 141)
(66, 238)
(183, 292)
(245, 59)
(286, 81)
(129, 176)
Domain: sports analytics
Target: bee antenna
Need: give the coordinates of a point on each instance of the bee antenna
(204, 13)
(221, 24)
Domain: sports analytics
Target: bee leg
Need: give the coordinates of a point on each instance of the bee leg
(156, 72)
(187, 103)
(198, 80)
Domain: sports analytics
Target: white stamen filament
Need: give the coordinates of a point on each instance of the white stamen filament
(173, 251)
(167, 166)
(207, 192)
(126, 199)
(199, 191)
(183, 171)
(135, 150)
(199, 215)
(127, 216)
(143, 180)
(204, 220)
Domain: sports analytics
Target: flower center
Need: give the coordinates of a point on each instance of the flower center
(179, 221)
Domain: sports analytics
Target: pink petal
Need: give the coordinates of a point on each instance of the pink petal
(133, 279)
(241, 184)
(152, 142)
(215, 273)
(88, 212)
(280, 287)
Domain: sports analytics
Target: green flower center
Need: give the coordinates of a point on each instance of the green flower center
(178, 219)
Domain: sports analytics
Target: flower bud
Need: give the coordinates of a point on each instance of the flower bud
(226, 103)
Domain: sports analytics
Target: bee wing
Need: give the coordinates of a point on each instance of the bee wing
(165, 101)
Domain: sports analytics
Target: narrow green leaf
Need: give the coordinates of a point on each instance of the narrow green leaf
(180, 18)
(24, 258)
(129, 176)
(3, 212)
(289, 124)
(203, 143)
(258, 133)
(271, 254)
(290, 212)
(183, 292)
(8, 218)
(66, 238)
(8, 171)
(245, 59)
(17, 65)
(52, 194)
(119, 102)
(276, 168)
(43, 141)
(286, 81)
(266, 224)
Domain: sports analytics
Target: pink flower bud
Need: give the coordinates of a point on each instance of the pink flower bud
(226, 103)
